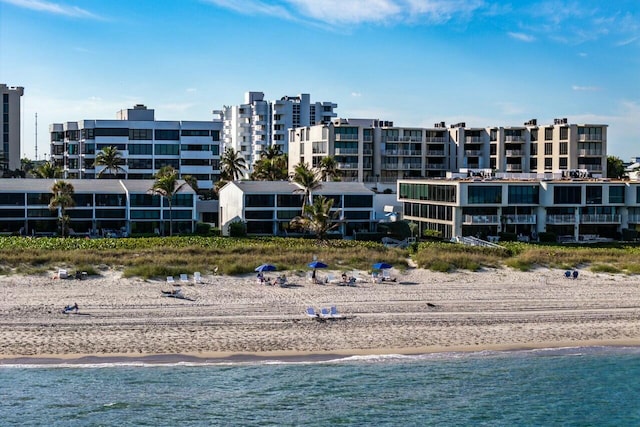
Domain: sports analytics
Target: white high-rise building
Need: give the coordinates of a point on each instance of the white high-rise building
(256, 124)
(10, 146)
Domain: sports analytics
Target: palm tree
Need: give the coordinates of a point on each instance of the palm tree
(233, 164)
(271, 169)
(61, 200)
(111, 159)
(308, 179)
(271, 152)
(48, 170)
(317, 218)
(329, 168)
(192, 181)
(166, 185)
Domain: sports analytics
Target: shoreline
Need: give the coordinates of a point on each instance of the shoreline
(219, 358)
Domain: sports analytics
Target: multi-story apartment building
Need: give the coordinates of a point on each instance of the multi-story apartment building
(251, 127)
(377, 151)
(10, 147)
(573, 208)
(145, 144)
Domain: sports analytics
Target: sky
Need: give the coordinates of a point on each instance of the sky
(414, 62)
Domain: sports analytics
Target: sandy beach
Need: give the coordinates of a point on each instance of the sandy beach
(235, 317)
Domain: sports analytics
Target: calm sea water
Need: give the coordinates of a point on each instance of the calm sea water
(575, 387)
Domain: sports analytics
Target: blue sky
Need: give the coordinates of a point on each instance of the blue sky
(415, 62)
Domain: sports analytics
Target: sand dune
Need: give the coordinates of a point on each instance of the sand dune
(422, 311)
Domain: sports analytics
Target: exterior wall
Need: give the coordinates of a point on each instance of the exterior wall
(74, 146)
(10, 135)
(572, 209)
(116, 208)
(231, 206)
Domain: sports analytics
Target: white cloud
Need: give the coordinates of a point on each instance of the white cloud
(628, 41)
(54, 8)
(356, 94)
(585, 88)
(522, 37)
(191, 90)
(344, 12)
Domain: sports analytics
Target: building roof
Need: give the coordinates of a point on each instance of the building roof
(287, 187)
(114, 186)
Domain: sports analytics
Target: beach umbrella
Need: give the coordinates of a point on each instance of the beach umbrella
(317, 264)
(265, 267)
(381, 265)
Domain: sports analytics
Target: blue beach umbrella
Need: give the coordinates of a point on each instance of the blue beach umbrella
(265, 267)
(317, 264)
(381, 265)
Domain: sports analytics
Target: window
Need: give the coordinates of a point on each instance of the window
(140, 164)
(548, 149)
(174, 163)
(358, 201)
(534, 134)
(594, 194)
(548, 134)
(137, 134)
(533, 164)
(290, 200)
(39, 198)
(261, 214)
(154, 214)
(167, 135)
(534, 149)
(9, 199)
(567, 194)
(564, 133)
(83, 199)
(144, 200)
(196, 147)
(182, 200)
(195, 162)
(140, 149)
(110, 200)
(111, 132)
(436, 193)
(564, 148)
(484, 194)
(493, 135)
(616, 194)
(110, 213)
(88, 134)
(563, 162)
(215, 135)
(259, 200)
(188, 132)
(523, 194)
(167, 149)
(548, 163)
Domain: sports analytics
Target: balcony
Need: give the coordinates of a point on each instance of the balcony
(520, 219)
(561, 219)
(435, 166)
(600, 219)
(345, 137)
(473, 153)
(634, 219)
(472, 139)
(590, 167)
(367, 138)
(590, 152)
(347, 166)
(481, 219)
(391, 166)
(413, 166)
(514, 138)
(367, 151)
(390, 152)
(342, 151)
(435, 153)
(512, 153)
(589, 137)
(391, 138)
(514, 168)
(435, 139)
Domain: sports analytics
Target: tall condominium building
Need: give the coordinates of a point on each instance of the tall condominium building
(251, 127)
(145, 144)
(369, 150)
(10, 147)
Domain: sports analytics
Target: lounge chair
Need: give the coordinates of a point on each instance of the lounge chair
(333, 312)
(197, 278)
(386, 276)
(311, 312)
(170, 280)
(325, 313)
(62, 274)
(567, 274)
(184, 278)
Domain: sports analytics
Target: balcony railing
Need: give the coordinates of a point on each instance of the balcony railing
(391, 166)
(347, 166)
(513, 168)
(634, 219)
(435, 153)
(367, 138)
(561, 219)
(600, 219)
(409, 152)
(472, 152)
(472, 139)
(390, 152)
(590, 152)
(413, 166)
(435, 139)
(435, 166)
(590, 167)
(346, 150)
(481, 219)
(520, 219)
(513, 138)
(367, 151)
(346, 137)
(589, 137)
(514, 153)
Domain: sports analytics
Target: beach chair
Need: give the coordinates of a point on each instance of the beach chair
(197, 278)
(386, 276)
(62, 274)
(325, 313)
(333, 312)
(184, 278)
(567, 274)
(170, 280)
(311, 312)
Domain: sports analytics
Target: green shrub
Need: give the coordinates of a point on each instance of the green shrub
(604, 268)
(203, 229)
(238, 229)
(547, 237)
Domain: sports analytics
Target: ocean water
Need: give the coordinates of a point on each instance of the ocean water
(562, 387)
